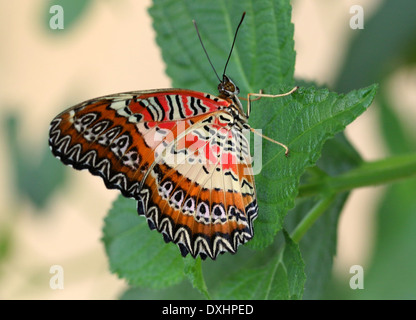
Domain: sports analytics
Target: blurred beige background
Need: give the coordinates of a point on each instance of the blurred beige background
(39, 70)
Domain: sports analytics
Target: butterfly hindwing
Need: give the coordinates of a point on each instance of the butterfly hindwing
(202, 194)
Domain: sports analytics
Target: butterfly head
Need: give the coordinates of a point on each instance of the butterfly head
(228, 88)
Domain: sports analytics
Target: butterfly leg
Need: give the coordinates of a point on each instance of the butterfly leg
(259, 96)
(247, 99)
(264, 95)
(272, 140)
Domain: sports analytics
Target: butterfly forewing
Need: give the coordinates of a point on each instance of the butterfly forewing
(180, 153)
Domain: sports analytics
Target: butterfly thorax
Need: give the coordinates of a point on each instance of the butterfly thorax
(229, 91)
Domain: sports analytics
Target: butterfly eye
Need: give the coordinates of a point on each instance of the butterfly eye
(228, 88)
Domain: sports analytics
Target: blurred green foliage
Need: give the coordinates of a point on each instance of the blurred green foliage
(36, 173)
(6, 244)
(386, 45)
(387, 42)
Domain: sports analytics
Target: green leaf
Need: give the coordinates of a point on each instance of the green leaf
(281, 278)
(193, 270)
(303, 121)
(338, 156)
(263, 55)
(182, 290)
(318, 245)
(137, 254)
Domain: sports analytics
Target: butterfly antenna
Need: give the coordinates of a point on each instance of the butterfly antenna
(232, 46)
(205, 50)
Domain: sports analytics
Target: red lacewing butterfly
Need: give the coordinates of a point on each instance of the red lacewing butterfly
(180, 153)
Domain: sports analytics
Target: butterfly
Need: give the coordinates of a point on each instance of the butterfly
(181, 154)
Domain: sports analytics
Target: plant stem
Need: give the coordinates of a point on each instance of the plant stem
(368, 174)
(312, 216)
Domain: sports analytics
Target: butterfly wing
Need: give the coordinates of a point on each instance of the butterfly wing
(200, 192)
(103, 134)
(176, 152)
